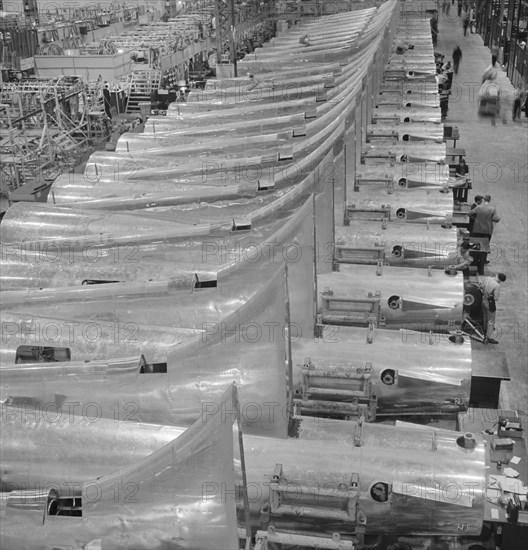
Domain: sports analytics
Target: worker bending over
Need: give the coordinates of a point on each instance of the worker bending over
(461, 259)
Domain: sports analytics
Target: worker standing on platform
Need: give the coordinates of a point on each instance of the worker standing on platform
(107, 100)
(457, 56)
(490, 288)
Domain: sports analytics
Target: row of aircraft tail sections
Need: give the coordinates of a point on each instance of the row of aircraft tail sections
(186, 290)
(137, 485)
(168, 372)
(208, 271)
(211, 278)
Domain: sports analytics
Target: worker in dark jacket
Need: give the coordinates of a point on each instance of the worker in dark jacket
(477, 200)
(107, 100)
(485, 218)
(444, 93)
(462, 169)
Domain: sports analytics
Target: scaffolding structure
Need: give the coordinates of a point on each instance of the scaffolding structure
(46, 127)
(47, 124)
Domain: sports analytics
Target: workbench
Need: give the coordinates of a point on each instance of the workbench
(455, 154)
(489, 370)
(33, 191)
(477, 421)
(460, 212)
(461, 189)
(481, 253)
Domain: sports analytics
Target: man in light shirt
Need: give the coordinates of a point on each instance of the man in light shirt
(490, 287)
(463, 258)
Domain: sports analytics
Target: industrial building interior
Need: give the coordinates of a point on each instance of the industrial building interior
(263, 280)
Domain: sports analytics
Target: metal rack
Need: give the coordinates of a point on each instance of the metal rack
(288, 499)
(337, 392)
(45, 128)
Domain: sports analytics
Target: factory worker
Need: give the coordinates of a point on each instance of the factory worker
(490, 287)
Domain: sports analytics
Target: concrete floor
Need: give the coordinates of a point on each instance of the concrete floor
(498, 160)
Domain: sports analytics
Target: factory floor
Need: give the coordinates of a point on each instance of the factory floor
(498, 160)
